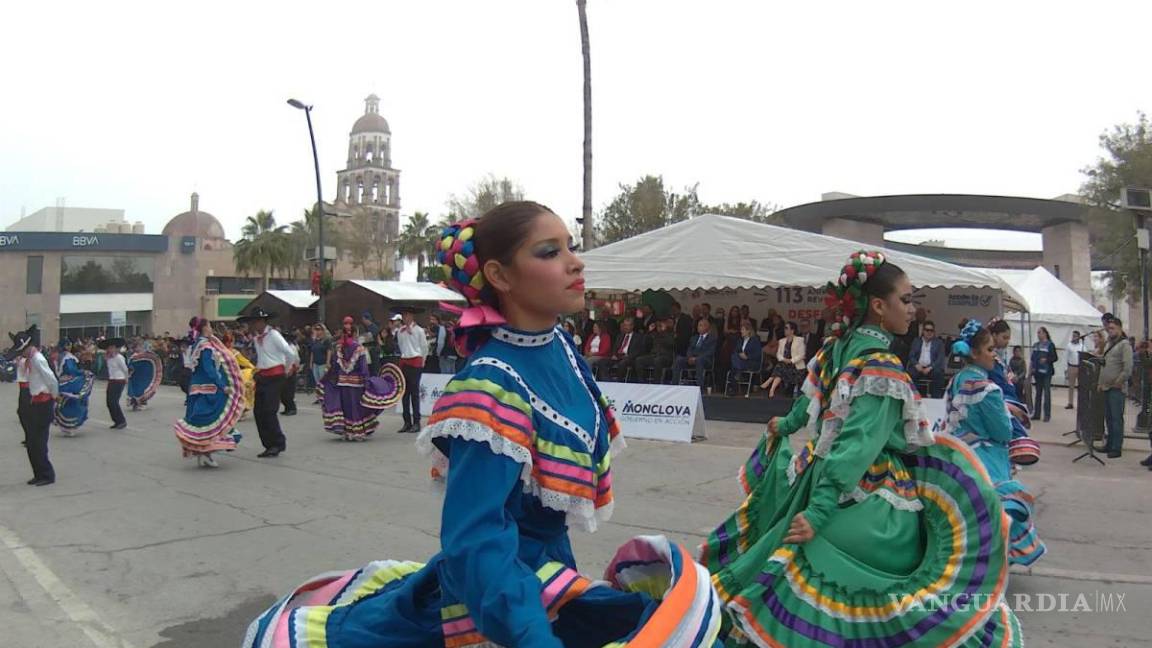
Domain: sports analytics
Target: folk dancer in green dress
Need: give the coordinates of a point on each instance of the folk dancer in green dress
(875, 533)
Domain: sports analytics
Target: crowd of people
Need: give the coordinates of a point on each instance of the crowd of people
(880, 530)
(704, 347)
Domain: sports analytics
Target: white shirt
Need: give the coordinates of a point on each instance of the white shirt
(1073, 350)
(272, 350)
(21, 369)
(41, 380)
(186, 356)
(594, 344)
(412, 340)
(925, 353)
(117, 367)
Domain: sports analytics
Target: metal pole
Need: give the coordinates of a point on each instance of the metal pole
(1144, 419)
(319, 216)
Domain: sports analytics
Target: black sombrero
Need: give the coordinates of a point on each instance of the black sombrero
(415, 310)
(257, 313)
(21, 341)
(109, 342)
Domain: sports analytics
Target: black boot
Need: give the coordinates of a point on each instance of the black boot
(406, 429)
(1147, 461)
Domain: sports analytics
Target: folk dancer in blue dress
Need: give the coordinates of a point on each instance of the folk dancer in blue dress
(215, 398)
(144, 373)
(43, 389)
(527, 434)
(1024, 449)
(978, 414)
(75, 387)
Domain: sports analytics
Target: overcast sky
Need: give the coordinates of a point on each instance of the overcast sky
(134, 105)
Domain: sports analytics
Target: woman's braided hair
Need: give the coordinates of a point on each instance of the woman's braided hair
(847, 295)
(463, 249)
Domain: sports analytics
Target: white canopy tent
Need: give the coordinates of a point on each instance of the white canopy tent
(1054, 306)
(713, 252)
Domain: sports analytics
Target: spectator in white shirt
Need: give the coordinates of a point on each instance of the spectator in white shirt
(117, 378)
(1073, 350)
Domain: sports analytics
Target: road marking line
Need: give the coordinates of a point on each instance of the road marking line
(84, 617)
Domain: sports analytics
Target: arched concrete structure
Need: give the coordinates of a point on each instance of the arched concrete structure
(1062, 223)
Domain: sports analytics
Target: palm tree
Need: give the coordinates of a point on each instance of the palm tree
(415, 242)
(586, 221)
(264, 246)
(304, 237)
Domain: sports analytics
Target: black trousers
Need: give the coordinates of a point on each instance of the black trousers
(39, 418)
(22, 407)
(374, 359)
(112, 400)
(411, 394)
(185, 378)
(288, 393)
(267, 404)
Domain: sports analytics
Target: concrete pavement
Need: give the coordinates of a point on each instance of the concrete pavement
(136, 547)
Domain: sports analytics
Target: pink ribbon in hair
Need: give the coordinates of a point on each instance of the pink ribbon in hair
(473, 327)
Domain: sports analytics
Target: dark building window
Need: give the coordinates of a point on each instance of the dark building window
(230, 285)
(35, 275)
(105, 274)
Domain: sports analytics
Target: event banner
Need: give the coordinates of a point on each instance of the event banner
(936, 412)
(945, 306)
(658, 412)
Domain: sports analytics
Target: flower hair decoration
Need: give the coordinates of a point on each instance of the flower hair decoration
(963, 346)
(456, 254)
(846, 295)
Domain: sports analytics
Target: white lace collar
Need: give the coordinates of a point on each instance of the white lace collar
(523, 338)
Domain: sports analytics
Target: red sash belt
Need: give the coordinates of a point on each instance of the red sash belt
(412, 362)
(23, 385)
(272, 372)
(41, 398)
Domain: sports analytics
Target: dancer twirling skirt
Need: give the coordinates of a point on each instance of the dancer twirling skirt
(527, 435)
(343, 388)
(872, 535)
(215, 399)
(978, 416)
(145, 370)
(75, 388)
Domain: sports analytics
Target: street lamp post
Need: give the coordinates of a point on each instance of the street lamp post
(319, 204)
(1138, 200)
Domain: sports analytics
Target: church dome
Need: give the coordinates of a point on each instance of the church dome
(195, 223)
(371, 121)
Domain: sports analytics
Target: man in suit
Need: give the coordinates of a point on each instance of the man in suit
(661, 351)
(701, 352)
(745, 314)
(926, 360)
(647, 322)
(631, 345)
(902, 345)
(682, 327)
(811, 339)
